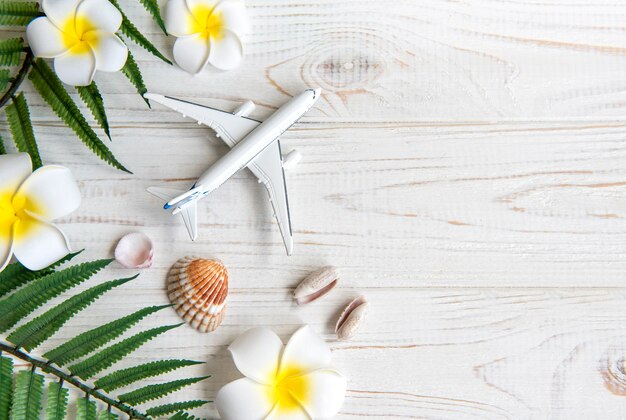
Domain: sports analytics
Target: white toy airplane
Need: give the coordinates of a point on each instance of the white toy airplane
(254, 144)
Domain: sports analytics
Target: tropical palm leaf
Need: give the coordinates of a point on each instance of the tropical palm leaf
(17, 12)
(132, 73)
(127, 376)
(6, 386)
(152, 392)
(27, 396)
(85, 409)
(3, 150)
(91, 96)
(21, 128)
(5, 77)
(10, 51)
(165, 409)
(51, 89)
(153, 7)
(56, 401)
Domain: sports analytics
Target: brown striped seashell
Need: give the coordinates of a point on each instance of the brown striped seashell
(198, 290)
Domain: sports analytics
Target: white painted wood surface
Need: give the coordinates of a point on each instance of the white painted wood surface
(465, 170)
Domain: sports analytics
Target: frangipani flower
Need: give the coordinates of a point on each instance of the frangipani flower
(208, 31)
(294, 382)
(29, 201)
(80, 36)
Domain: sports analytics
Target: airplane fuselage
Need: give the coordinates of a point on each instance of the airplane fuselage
(249, 147)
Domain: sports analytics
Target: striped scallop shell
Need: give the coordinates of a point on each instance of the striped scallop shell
(198, 290)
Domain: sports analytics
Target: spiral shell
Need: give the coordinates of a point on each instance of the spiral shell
(198, 290)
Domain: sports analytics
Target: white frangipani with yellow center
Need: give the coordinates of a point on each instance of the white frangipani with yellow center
(29, 202)
(208, 31)
(291, 382)
(80, 36)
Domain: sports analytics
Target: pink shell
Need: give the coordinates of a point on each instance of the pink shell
(135, 250)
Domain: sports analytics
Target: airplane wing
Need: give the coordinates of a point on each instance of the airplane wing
(189, 213)
(229, 127)
(267, 166)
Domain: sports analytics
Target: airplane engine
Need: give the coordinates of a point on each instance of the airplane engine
(244, 109)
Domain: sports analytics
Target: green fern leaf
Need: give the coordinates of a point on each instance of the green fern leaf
(17, 13)
(131, 31)
(107, 357)
(22, 129)
(30, 297)
(27, 396)
(6, 386)
(153, 7)
(106, 415)
(16, 275)
(124, 377)
(90, 340)
(152, 392)
(53, 92)
(56, 401)
(5, 77)
(93, 99)
(165, 409)
(10, 51)
(181, 415)
(36, 331)
(3, 150)
(85, 409)
(132, 73)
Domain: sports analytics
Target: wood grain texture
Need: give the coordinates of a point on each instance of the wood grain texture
(465, 169)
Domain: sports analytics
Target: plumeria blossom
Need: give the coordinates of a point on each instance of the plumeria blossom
(80, 36)
(29, 201)
(291, 382)
(208, 31)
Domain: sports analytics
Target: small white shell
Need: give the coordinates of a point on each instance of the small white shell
(351, 318)
(316, 285)
(134, 250)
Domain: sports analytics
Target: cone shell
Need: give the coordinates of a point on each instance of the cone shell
(198, 290)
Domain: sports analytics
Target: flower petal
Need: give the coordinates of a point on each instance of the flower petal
(323, 395)
(203, 5)
(37, 244)
(233, 15)
(59, 11)
(6, 243)
(297, 413)
(14, 169)
(109, 50)
(76, 67)
(45, 39)
(49, 193)
(256, 353)
(243, 399)
(226, 52)
(306, 350)
(178, 18)
(191, 53)
(98, 14)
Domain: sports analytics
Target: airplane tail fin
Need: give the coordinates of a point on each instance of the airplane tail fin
(188, 211)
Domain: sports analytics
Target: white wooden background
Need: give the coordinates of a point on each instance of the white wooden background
(465, 169)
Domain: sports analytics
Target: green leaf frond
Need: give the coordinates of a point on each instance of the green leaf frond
(153, 7)
(181, 415)
(127, 376)
(16, 275)
(152, 392)
(90, 340)
(56, 401)
(36, 331)
(15, 13)
(85, 409)
(21, 128)
(6, 386)
(3, 151)
(33, 295)
(107, 357)
(132, 73)
(27, 396)
(106, 415)
(165, 409)
(10, 51)
(93, 99)
(53, 92)
(5, 77)
(131, 31)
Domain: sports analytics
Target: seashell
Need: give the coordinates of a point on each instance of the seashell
(316, 285)
(134, 250)
(351, 318)
(198, 290)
